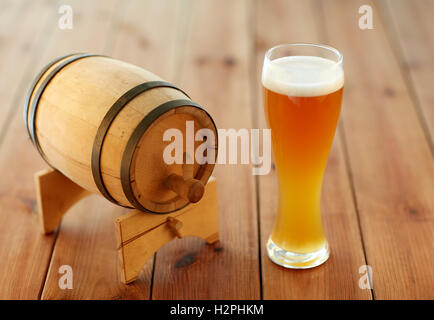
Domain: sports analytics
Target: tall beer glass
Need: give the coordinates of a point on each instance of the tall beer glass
(302, 90)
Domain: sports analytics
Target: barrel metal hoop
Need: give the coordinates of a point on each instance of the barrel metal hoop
(134, 140)
(106, 123)
(40, 91)
(35, 83)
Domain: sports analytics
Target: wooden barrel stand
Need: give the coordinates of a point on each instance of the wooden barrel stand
(138, 234)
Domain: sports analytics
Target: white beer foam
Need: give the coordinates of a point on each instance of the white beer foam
(302, 76)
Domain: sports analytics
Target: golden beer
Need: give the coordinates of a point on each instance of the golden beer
(302, 100)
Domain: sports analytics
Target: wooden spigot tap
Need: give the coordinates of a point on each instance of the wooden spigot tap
(186, 187)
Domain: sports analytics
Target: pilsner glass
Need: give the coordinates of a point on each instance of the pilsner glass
(302, 90)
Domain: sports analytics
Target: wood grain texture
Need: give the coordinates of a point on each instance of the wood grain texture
(15, 45)
(151, 34)
(215, 70)
(411, 25)
(338, 278)
(389, 157)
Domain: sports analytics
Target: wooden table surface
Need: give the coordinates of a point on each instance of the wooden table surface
(378, 197)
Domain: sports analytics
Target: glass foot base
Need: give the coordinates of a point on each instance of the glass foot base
(294, 260)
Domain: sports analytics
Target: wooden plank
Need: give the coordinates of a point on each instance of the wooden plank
(87, 235)
(139, 235)
(133, 225)
(215, 73)
(24, 253)
(390, 158)
(411, 24)
(15, 45)
(150, 35)
(338, 278)
(55, 195)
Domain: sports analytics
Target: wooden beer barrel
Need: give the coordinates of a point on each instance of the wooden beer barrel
(101, 121)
